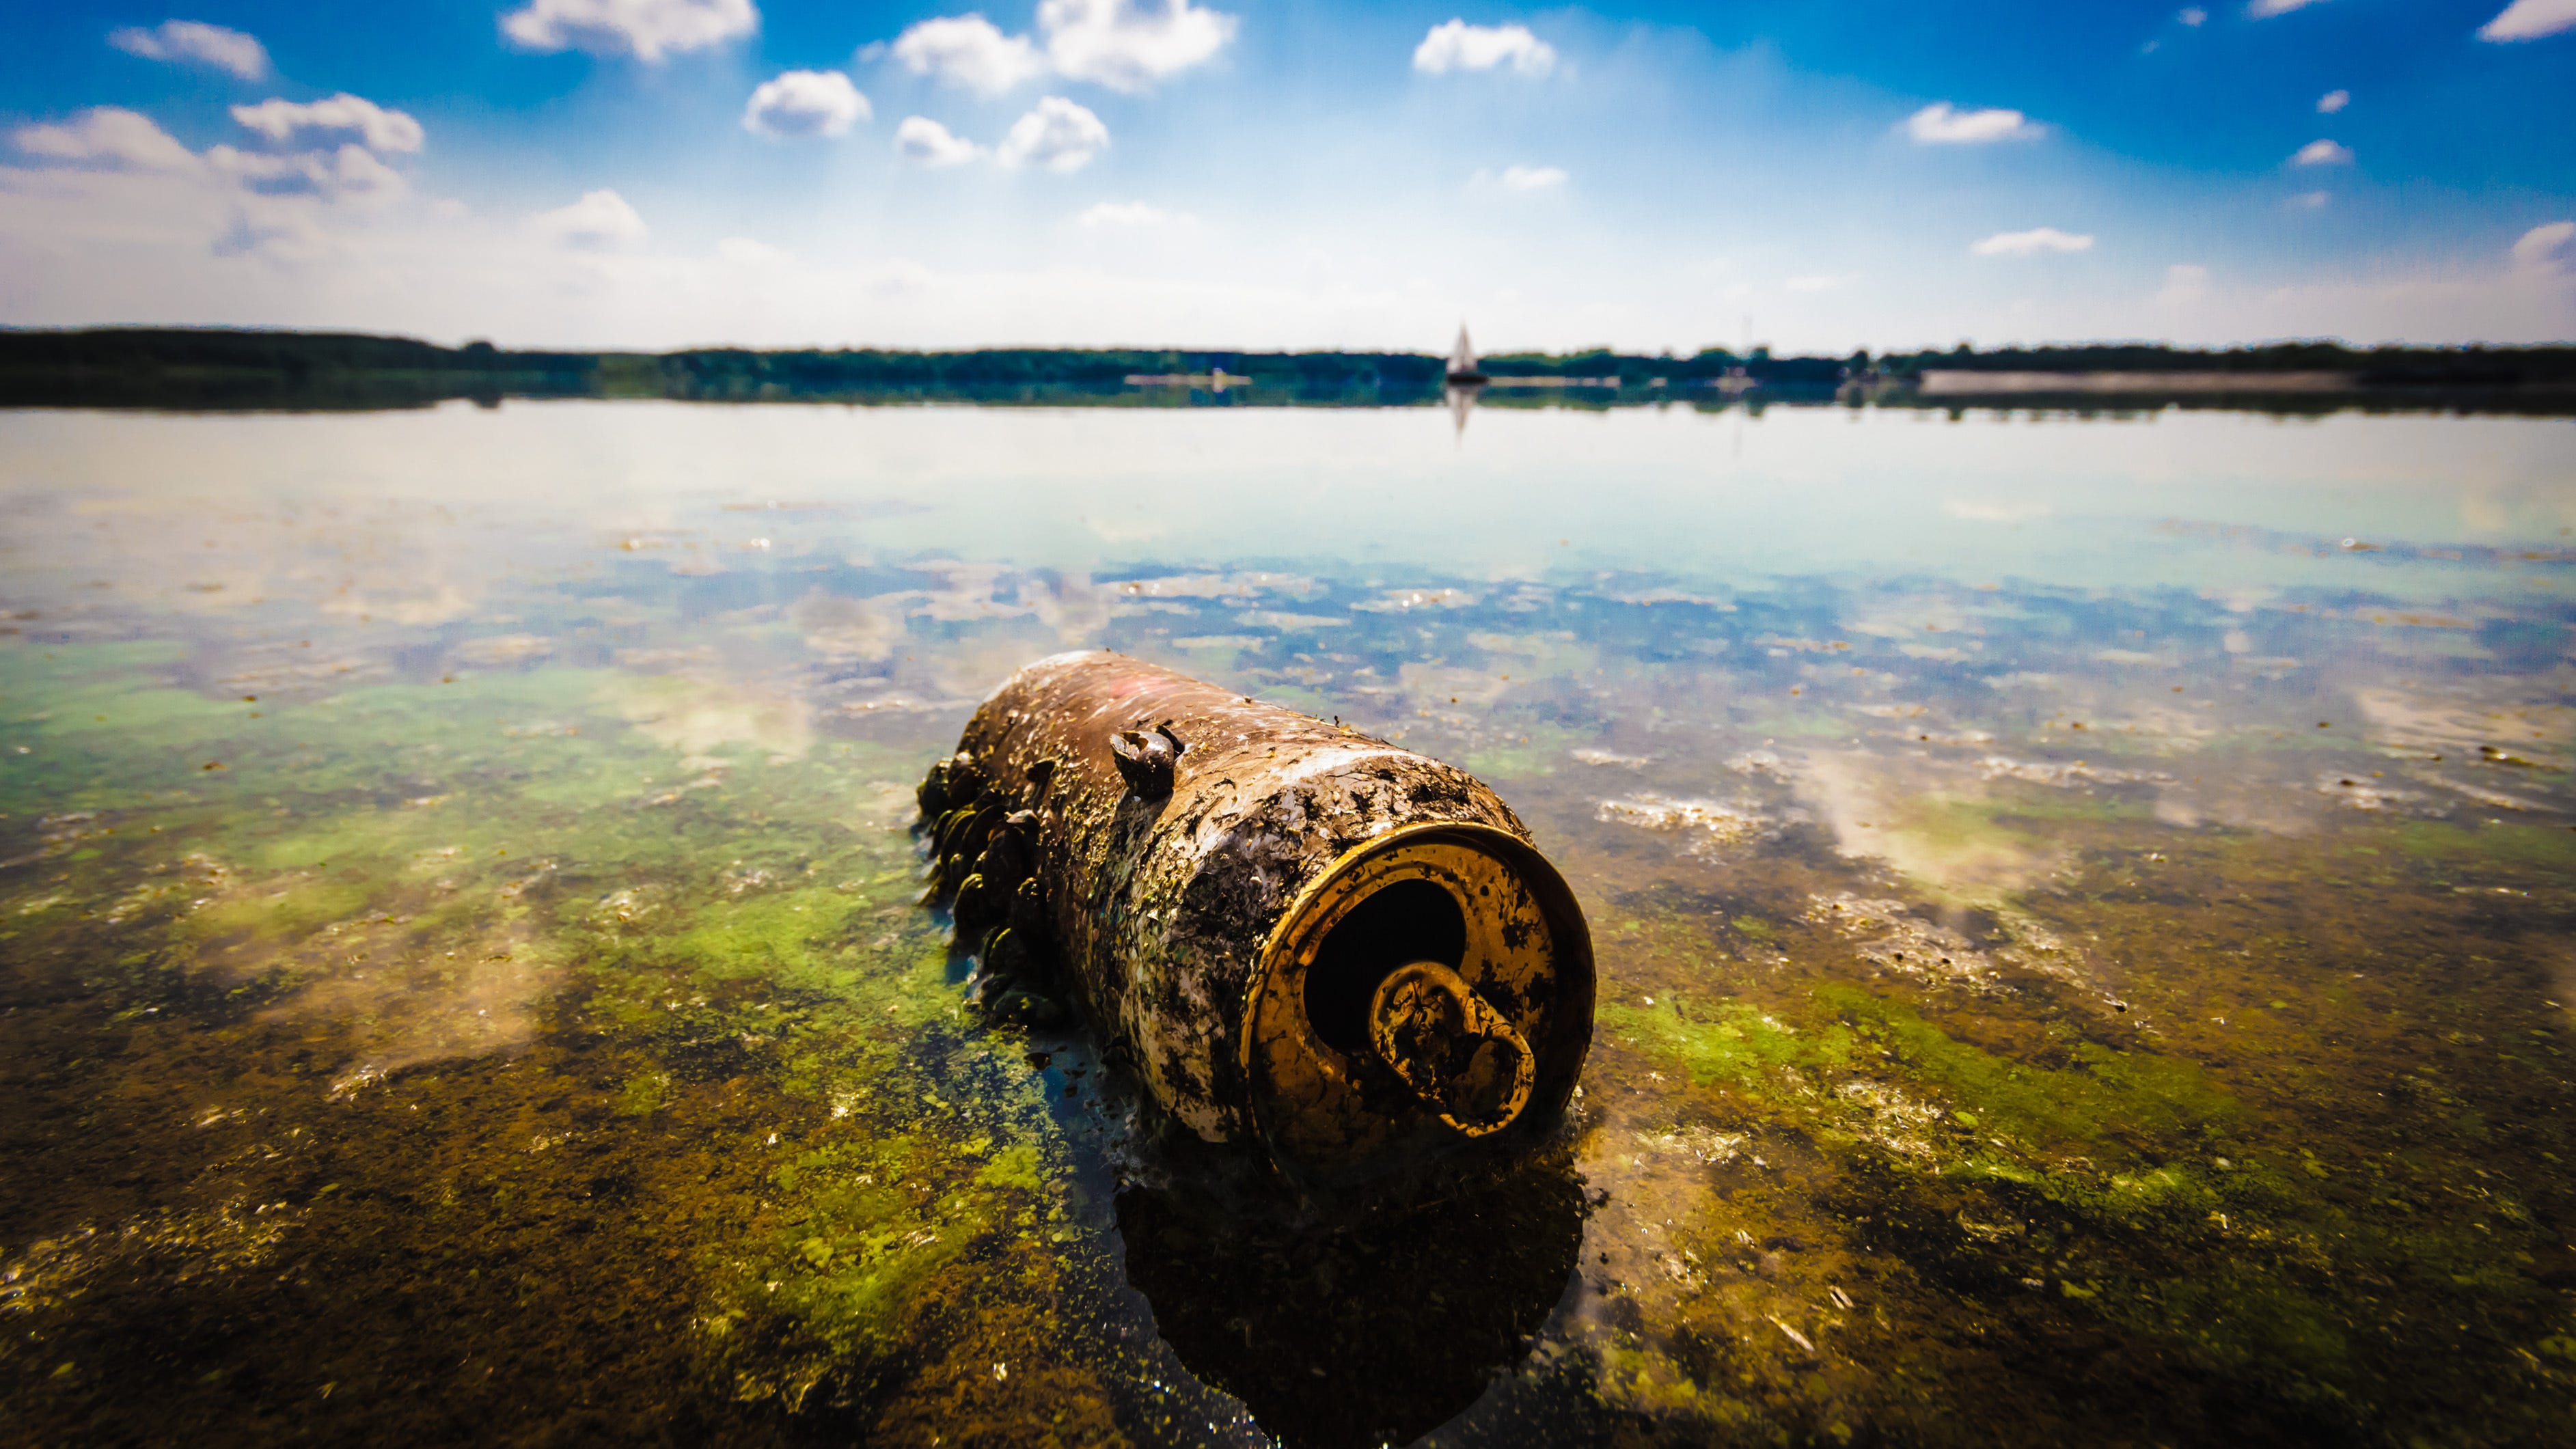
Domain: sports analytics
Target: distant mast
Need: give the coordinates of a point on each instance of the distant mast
(1462, 360)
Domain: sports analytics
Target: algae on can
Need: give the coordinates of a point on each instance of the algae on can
(1291, 932)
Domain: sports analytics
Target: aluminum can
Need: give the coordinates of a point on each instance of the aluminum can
(1291, 933)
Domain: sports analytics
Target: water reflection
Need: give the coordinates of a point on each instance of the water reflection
(1460, 399)
(2081, 910)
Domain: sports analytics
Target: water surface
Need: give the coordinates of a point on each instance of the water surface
(2084, 907)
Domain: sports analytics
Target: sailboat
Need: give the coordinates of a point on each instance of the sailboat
(1462, 362)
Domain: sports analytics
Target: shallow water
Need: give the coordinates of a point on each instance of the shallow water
(2084, 910)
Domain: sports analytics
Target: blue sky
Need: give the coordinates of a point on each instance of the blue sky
(1243, 173)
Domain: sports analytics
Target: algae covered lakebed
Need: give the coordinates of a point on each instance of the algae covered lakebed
(2086, 913)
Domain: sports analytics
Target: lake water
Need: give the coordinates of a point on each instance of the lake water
(2086, 914)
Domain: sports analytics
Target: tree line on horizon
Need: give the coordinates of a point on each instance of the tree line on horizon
(218, 366)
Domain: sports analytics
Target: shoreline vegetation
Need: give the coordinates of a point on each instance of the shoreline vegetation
(191, 368)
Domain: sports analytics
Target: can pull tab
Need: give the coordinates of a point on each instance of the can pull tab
(1451, 1047)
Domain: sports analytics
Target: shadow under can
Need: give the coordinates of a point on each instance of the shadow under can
(1374, 1327)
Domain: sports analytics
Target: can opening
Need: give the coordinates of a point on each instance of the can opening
(1403, 922)
(1433, 985)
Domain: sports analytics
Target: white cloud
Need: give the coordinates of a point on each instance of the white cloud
(125, 140)
(2184, 285)
(1457, 45)
(2266, 9)
(141, 188)
(1133, 215)
(193, 42)
(600, 221)
(1939, 124)
(2032, 242)
(295, 239)
(107, 136)
(922, 139)
(189, 248)
(2530, 20)
(2333, 101)
(343, 115)
(2311, 200)
(1128, 45)
(800, 104)
(2322, 153)
(2546, 249)
(2193, 16)
(1534, 178)
(1058, 135)
(645, 29)
(742, 251)
(969, 51)
(352, 171)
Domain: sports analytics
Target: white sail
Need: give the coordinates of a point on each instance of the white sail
(1462, 358)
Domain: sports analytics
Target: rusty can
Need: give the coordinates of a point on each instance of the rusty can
(1290, 932)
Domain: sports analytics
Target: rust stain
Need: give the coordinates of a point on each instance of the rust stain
(1291, 932)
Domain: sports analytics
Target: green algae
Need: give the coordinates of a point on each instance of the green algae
(540, 1039)
(2100, 1101)
(745, 936)
(2269, 1247)
(1530, 751)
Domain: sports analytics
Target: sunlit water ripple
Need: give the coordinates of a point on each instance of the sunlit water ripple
(2085, 913)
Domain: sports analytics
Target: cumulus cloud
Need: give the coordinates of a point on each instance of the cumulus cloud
(193, 42)
(352, 171)
(2333, 101)
(1940, 124)
(106, 136)
(1128, 45)
(800, 104)
(1059, 136)
(2031, 243)
(1533, 178)
(1457, 45)
(341, 116)
(2546, 249)
(2266, 9)
(188, 247)
(2311, 200)
(969, 51)
(645, 29)
(2193, 16)
(297, 208)
(2530, 20)
(2322, 153)
(600, 221)
(1132, 216)
(922, 139)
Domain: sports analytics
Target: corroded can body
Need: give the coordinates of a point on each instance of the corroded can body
(1290, 932)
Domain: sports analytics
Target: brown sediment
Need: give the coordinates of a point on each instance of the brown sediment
(1223, 887)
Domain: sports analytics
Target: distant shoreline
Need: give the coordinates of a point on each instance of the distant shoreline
(199, 369)
(1947, 382)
